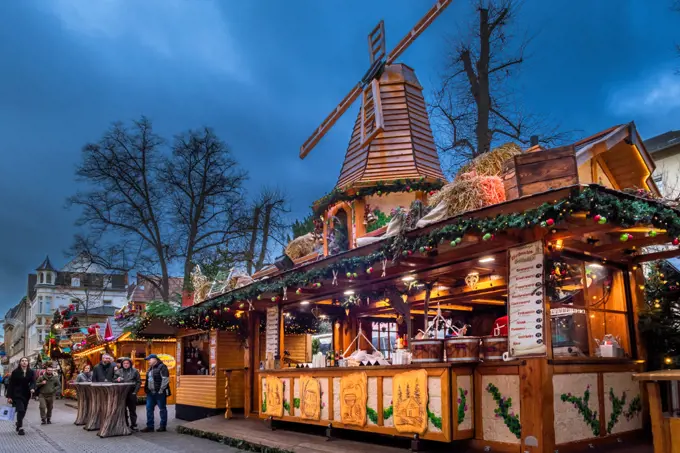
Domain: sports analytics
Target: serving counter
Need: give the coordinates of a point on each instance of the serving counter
(400, 400)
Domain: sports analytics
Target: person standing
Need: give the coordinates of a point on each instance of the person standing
(85, 375)
(157, 391)
(21, 388)
(127, 373)
(48, 385)
(103, 372)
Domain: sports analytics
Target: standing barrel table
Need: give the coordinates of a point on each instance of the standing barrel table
(82, 391)
(110, 399)
(92, 405)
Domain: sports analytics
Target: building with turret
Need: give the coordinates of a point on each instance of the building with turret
(91, 288)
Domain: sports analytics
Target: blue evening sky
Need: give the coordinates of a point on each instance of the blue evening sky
(264, 73)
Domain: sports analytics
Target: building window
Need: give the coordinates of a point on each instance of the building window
(658, 180)
(587, 305)
(41, 336)
(49, 278)
(75, 303)
(108, 302)
(48, 304)
(40, 304)
(384, 337)
(42, 278)
(75, 282)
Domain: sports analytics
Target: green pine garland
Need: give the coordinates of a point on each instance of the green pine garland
(380, 188)
(617, 409)
(510, 419)
(387, 413)
(462, 405)
(620, 209)
(239, 444)
(436, 421)
(372, 415)
(581, 404)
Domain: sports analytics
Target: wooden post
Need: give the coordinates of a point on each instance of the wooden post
(282, 334)
(536, 401)
(227, 400)
(659, 430)
(428, 291)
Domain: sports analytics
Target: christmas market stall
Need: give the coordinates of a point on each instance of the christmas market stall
(498, 310)
(511, 325)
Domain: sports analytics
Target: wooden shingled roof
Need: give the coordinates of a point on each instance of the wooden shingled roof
(405, 148)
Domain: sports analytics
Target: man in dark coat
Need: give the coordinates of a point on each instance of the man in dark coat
(20, 390)
(127, 373)
(157, 389)
(103, 372)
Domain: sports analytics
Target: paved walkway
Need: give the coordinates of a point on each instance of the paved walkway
(63, 436)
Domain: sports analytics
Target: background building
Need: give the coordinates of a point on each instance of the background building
(665, 150)
(15, 333)
(94, 291)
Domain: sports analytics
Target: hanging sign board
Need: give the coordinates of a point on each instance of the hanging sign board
(168, 360)
(77, 337)
(65, 343)
(272, 330)
(526, 306)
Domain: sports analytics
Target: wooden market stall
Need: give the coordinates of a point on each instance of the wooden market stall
(548, 285)
(137, 349)
(499, 310)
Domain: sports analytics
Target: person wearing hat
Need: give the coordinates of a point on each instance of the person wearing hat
(127, 373)
(157, 389)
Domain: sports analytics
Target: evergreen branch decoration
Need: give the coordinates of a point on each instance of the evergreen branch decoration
(296, 403)
(372, 415)
(239, 444)
(618, 208)
(264, 402)
(388, 412)
(510, 419)
(462, 404)
(581, 404)
(436, 421)
(617, 409)
(380, 188)
(286, 406)
(634, 408)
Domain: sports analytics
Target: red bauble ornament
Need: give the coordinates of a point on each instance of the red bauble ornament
(676, 241)
(53, 341)
(550, 222)
(597, 217)
(72, 307)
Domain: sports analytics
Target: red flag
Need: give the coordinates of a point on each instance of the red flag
(108, 332)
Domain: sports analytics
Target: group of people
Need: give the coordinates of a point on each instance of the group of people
(24, 384)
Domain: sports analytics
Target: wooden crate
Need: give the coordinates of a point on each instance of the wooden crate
(527, 174)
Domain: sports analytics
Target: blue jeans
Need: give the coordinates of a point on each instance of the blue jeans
(153, 400)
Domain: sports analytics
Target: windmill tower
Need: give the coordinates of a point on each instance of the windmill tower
(391, 139)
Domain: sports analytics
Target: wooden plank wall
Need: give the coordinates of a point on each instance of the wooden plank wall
(299, 346)
(531, 173)
(230, 355)
(196, 390)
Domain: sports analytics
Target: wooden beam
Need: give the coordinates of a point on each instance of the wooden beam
(656, 256)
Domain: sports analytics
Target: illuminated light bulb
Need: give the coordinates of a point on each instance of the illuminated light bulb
(668, 360)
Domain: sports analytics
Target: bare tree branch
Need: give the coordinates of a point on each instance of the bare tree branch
(475, 105)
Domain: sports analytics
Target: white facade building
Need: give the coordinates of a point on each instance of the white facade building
(80, 283)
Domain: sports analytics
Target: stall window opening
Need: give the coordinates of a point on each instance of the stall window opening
(384, 337)
(588, 309)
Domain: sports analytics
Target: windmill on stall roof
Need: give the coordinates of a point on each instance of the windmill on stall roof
(392, 138)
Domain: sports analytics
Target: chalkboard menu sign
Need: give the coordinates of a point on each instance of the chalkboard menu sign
(526, 306)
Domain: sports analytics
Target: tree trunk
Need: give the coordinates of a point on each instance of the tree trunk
(483, 94)
(253, 239)
(265, 236)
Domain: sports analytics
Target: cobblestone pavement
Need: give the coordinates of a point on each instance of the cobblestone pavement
(63, 436)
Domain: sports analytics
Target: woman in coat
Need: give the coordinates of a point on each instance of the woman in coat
(85, 375)
(20, 390)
